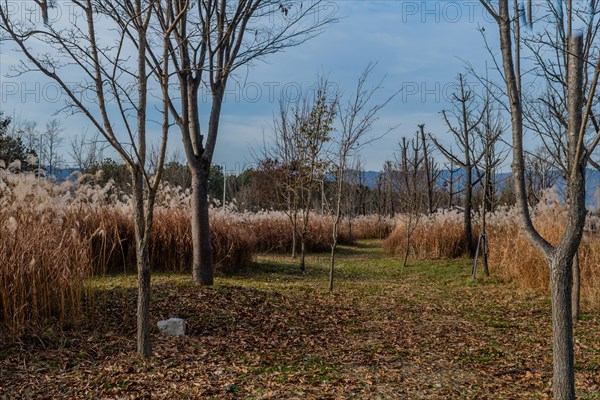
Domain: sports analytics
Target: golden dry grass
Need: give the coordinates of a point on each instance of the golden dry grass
(54, 236)
(435, 237)
(512, 257)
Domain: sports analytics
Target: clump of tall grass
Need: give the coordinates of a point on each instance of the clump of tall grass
(44, 261)
(436, 236)
(44, 253)
(368, 227)
(512, 257)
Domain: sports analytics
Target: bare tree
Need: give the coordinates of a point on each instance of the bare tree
(86, 152)
(431, 172)
(559, 258)
(353, 193)
(412, 178)
(51, 141)
(388, 189)
(301, 133)
(489, 133)
(540, 173)
(451, 180)
(468, 117)
(208, 41)
(356, 117)
(107, 76)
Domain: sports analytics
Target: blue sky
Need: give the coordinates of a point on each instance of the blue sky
(419, 46)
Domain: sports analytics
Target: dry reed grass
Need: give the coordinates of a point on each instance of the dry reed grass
(44, 259)
(512, 257)
(437, 236)
(54, 236)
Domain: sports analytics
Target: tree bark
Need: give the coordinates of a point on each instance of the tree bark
(294, 242)
(428, 176)
(202, 270)
(332, 263)
(144, 346)
(468, 228)
(562, 329)
(561, 266)
(575, 296)
(302, 253)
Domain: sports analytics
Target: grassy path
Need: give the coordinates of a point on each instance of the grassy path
(423, 332)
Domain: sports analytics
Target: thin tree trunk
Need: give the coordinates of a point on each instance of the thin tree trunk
(336, 222)
(350, 239)
(302, 253)
(144, 345)
(294, 242)
(332, 263)
(486, 270)
(468, 228)
(427, 171)
(203, 271)
(451, 186)
(406, 249)
(559, 259)
(562, 329)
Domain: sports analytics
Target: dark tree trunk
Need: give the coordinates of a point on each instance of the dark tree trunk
(203, 271)
(407, 247)
(332, 264)
(294, 241)
(201, 237)
(302, 253)
(468, 226)
(561, 265)
(428, 174)
(575, 297)
(144, 346)
(562, 329)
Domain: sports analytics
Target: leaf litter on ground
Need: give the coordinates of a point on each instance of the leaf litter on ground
(421, 332)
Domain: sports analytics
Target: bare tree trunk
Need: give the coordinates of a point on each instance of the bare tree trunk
(294, 222)
(144, 346)
(562, 329)
(406, 249)
(451, 186)
(294, 241)
(302, 253)
(468, 228)
(561, 266)
(575, 296)
(350, 229)
(332, 261)
(486, 270)
(202, 271)
(338, 214)
(427, 170)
